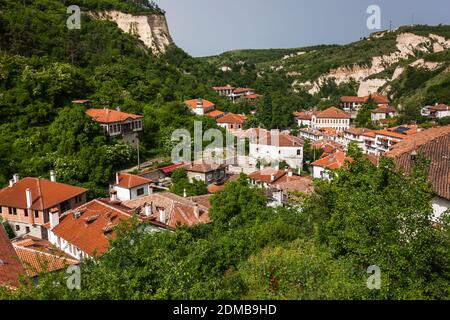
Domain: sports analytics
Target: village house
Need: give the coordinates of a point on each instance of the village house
(323, 167)
(26, 203)
(172, 210)
(279, 184)
(357, 135)
(237, 94)
(209, 173)
(437, 111)
(224, 90)
(383, 113)
(86, 231)
(118, 124)
(203, 107)
(327, 146)
(275, 147)
(434, 145)
(331, 118)
(354, 104)
(129, 186)
(320, 134)
(232, 121)
(303, 119)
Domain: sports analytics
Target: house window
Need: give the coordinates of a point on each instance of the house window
(78, 199)
(14, 211)
(299, 152)
(36, 214)
(140, 191)
(25, 212)
(27, 229)
(17, 228)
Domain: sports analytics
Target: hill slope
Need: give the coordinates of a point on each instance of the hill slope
(386, 61)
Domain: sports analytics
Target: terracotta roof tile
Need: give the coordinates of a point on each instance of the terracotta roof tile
(434, 144)
(205, 103)
(45, 194)
(10, 267)
(110, 116)
(332, 161)
(333, 113)
(36, 261)
(232, 118)
(129, 181)
(178, 210)
(87, 232)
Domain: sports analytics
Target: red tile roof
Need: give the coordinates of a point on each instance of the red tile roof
(440, 107)
(303, 185)
(205, 103)
(333, 113)
(203, 167)
(242, 90)
(333, 161)
(390, 134)
(328, 146)
(252, 96)
(434, 144)
(91, 232)
(224, 88)
(129, 181)
(110, 116)
(45, 194)
(232, 118)
(379, 99)
(358, 131)
(172, 168)
(38, 256)
(178, 210)
(212, 188)
(269, 175)
(10, 266)
(384, 109)
(269, 138)
(303, 115)
(215, 114)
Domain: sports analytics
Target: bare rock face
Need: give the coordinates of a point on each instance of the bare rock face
(151, 29)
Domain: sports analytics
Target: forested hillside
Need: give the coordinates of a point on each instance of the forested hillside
(410, 64)
(44, 66)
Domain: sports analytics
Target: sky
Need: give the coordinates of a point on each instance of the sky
(209, 27)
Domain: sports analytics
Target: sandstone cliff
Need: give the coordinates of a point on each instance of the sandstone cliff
(151, 29)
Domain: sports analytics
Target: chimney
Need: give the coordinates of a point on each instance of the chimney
(29, 198)
(196, 211)
(200, 103)
(16, 178)
(290, 173)
(184, 193)
(272, 177)
(117, 178)
(54, 217)
(11, 183)
(118, 109)
(52, 176)
(148, 209)
(162, 215)
(113, 196)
